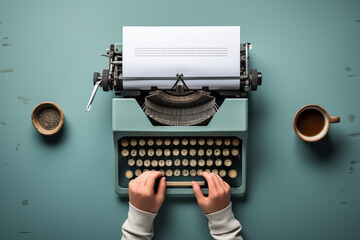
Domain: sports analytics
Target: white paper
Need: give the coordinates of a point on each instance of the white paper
(191, 51)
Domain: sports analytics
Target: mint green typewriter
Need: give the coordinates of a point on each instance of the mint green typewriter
(179, 129)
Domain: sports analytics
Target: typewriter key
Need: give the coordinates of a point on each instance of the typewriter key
(218, 142)
(217, 152)
(137, 172)
(167, 152)
(208, 152)
(193, 162)
(208, 170)
(232, 173)
(222, 173)
(218, 162)
(185, 172)
(150, 142)
(209, 162)
(150, 152)
(177, 172)
(227, 162)
(161, 163)
(145, 170)
(133, 153)
(193, 172)
(131, 162)
(139, 162)
(235, 152)
(193, 142)
(199, 172)
(158, 152)
(129, 174)
(201, 152)
(124, 143)
(226, 152)
(125, 152)
(162, 172)
(142, 152)
(185, 162)
(184, 141)
(159, 141)
(176, 152)
(192, 152)
(168, 162)
(169, 173)
(177, 162)
(133, 142)
(154, 163)
(215, 171)
(167, 141)
(147, 163)
(201, 141)
(210, 141)
(235, 142)
(227, 142)
(176, 141)
(201, 162)
(184, 152)
(142, 142)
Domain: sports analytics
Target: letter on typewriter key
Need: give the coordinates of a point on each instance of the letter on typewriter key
(131, 162)
(137, 172)
(201, 152)
(193, 162)
(218, 162)
(185, 162)
(167, 152)
(210, 142)
(215, 171)
(185, 172)
(142, 152)
(199, 172)
(161, 163)
(217, 152)
(128, 174)
(184, 141)
(208, 152)
(192, 152)
(184, 152)
(201, 162)
(151, 152)
(169, 173)
(124, 143)
(150, 142)
(176, 141)
(201, 141)
(177, 172)
(154, 163)
(158, 152)
(218, 142)
(227, 162)
(193, 172)
(147, 163)
(235, 142)
(139, 163)
(222, 173)
(142, 142)
(232, 173)
(235, 152)
(167, 141)
(125, 152)
(209, 162)
(176, 152)
(159, 141)
(177, 162)
(133, 153)
(133, 142)
(227, 142)
(193, 142)
(168, 162)
(226, 152)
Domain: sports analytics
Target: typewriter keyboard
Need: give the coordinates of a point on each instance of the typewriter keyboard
(180, 159)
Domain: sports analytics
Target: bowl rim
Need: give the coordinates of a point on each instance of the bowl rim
(35, 120)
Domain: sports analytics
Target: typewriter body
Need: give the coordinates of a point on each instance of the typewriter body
(179, 128)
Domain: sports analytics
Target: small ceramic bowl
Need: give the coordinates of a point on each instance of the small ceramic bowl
(47, 118)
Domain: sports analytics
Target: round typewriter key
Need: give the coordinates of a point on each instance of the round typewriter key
(227, 162)
(201, 152)
(125, 153)
(145, 170)
(167, 141)
(162, 172)
(124, 143)
(193, 162)
(192, 152)
(159, 141)
(137, 172)
(208, 152)
(168, 162)
(147, 163)
(129, 174)
(142, 142)
(169, 173)
(201, 141)
(193, 142)
(235, 142)
(184, 141)
(227, 142)
(209, 162)
(154, 163)
(184, 152)
(235, 152)
(161, 163)
(210, 141)
(177, 162)
(131, 162)
(215, 171)
(133, 153)
(218, 162)
(142, 152)
(185, 162)
(176, 141)
(199, 172)
(176, 152)
(167, 152)
(185, 172)
(150, 152)
(201, 162)
(222, 173)
(208, 170)
(177, 172)
(218, 142)
(150, 142)
(217, 152)
(193, 172)
(139, 162)
(158, 152)
(226, 152)
(133, 142)
(232, 173)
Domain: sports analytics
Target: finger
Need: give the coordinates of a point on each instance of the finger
(210, 181)
(222, 182)
(151, 179)
(197, 191)
(217, 181)
(143, 178)
(162, 188)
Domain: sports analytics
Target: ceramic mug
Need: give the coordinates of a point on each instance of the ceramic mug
(312, 123)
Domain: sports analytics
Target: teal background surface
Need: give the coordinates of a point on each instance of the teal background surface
(63, 188)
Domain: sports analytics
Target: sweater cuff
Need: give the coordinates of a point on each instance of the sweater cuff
(140, 220)
(223, 221)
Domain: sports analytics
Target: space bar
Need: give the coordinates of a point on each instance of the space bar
(183, 183)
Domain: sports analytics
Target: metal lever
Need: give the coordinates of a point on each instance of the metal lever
(97, 84)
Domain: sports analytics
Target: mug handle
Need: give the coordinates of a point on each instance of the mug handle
(334, 119)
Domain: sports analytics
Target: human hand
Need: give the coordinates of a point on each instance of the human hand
(219, 193)
(142, 194)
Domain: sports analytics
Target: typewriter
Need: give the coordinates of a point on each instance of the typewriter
(179, 129)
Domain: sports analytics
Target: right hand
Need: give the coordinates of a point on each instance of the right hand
(219, 193)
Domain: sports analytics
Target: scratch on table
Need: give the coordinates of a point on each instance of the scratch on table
(5, 45)
(351, 75)
(354, 135)
(348, 69)
(357, 20)
(7, 71)
(5, 38)
(344, 203)
(25, 232)
(351, 118)
(25, 100)
(17, 147)
(25, 202)
(3, 123)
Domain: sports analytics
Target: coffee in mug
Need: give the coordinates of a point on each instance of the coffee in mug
(312, 123)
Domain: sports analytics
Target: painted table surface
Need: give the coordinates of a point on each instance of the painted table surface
(63, 188)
